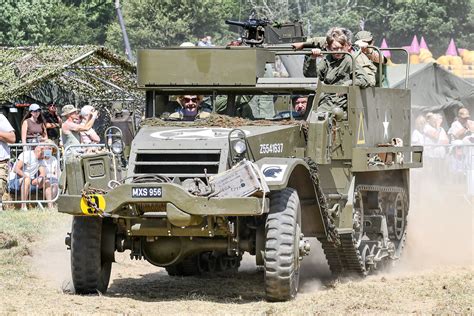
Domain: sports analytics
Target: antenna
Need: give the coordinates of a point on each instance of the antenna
(128, 51)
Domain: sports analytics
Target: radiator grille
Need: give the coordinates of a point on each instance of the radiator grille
(177, 164)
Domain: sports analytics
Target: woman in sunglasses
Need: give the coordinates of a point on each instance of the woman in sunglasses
(33, 126)
(190, 108)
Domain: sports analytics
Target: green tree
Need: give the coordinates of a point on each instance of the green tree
(398, 21)
(24, 22)
(158, 23)
(27, 22)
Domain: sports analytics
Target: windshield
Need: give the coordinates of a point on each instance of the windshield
(189, 107)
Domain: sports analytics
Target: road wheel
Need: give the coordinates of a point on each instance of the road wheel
(282, 239)
(90, 273)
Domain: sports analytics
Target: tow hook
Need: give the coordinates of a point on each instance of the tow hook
(67, 241)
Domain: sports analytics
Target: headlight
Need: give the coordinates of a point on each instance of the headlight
(240, 147)
(117, 147)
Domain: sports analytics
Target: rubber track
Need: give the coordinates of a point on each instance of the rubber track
(345, 258)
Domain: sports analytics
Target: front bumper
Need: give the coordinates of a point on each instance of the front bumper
(117, 202)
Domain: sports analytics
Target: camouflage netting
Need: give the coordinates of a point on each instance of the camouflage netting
(217, 120)
(89, 73)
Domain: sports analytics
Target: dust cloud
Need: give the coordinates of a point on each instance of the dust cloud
(440, 233)
(440, 222)
(51, 259)
(314, 269)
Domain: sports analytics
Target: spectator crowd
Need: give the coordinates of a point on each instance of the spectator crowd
(31, 171)
(451, 146)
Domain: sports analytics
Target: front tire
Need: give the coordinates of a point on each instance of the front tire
(281, 258)
(90, 273)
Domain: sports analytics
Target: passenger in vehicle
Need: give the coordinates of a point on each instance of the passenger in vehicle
(321, 43)
(190, 108)
(364, 39)
(337, 69)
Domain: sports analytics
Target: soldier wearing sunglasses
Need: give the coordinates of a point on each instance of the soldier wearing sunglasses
(190, 108)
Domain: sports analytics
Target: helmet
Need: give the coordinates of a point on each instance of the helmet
(366, 36)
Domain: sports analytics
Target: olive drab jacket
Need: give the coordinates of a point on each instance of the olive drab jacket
(338, 71)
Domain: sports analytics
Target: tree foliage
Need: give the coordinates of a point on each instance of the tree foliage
(157, 23)
(54, 22)
(399, 21)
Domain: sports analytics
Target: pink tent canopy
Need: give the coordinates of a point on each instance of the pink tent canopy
(423, 43)
(451, 51)
(386, 53)
(414, 47)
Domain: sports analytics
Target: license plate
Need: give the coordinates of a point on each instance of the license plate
(138, 192)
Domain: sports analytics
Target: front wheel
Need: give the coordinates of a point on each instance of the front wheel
(282, 258)
(90, 272)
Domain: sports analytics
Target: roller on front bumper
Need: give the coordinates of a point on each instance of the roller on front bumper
(178, 202)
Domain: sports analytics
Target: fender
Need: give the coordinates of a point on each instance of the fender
(280, 173)
(277, 171)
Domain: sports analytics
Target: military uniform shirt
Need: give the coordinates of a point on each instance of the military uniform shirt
(339, 72)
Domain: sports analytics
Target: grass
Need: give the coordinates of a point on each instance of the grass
(19, 232)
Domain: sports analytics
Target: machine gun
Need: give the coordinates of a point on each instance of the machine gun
(254, 30)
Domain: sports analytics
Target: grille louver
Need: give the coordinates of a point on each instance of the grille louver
(182, 164)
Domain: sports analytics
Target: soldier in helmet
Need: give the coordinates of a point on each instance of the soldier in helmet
(364, 39)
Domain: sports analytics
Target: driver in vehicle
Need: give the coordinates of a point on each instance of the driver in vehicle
(299, 103)
(190, 108)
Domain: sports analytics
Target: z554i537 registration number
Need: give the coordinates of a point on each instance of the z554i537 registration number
(147, 192)
(271, 148)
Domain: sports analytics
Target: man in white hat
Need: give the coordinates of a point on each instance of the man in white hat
(7, 136)
(72, 128)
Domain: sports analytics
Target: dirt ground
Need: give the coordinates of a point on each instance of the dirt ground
(436, 275)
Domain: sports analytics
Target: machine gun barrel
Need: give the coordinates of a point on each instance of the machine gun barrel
(238, 23)
(251, 23)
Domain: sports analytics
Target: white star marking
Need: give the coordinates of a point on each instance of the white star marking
(385, 127)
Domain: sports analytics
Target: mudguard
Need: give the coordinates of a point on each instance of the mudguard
(280, 173)
(277, 171)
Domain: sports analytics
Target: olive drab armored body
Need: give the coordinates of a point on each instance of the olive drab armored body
(198, 194)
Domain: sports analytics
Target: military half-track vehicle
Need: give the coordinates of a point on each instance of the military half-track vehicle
(196, 195)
